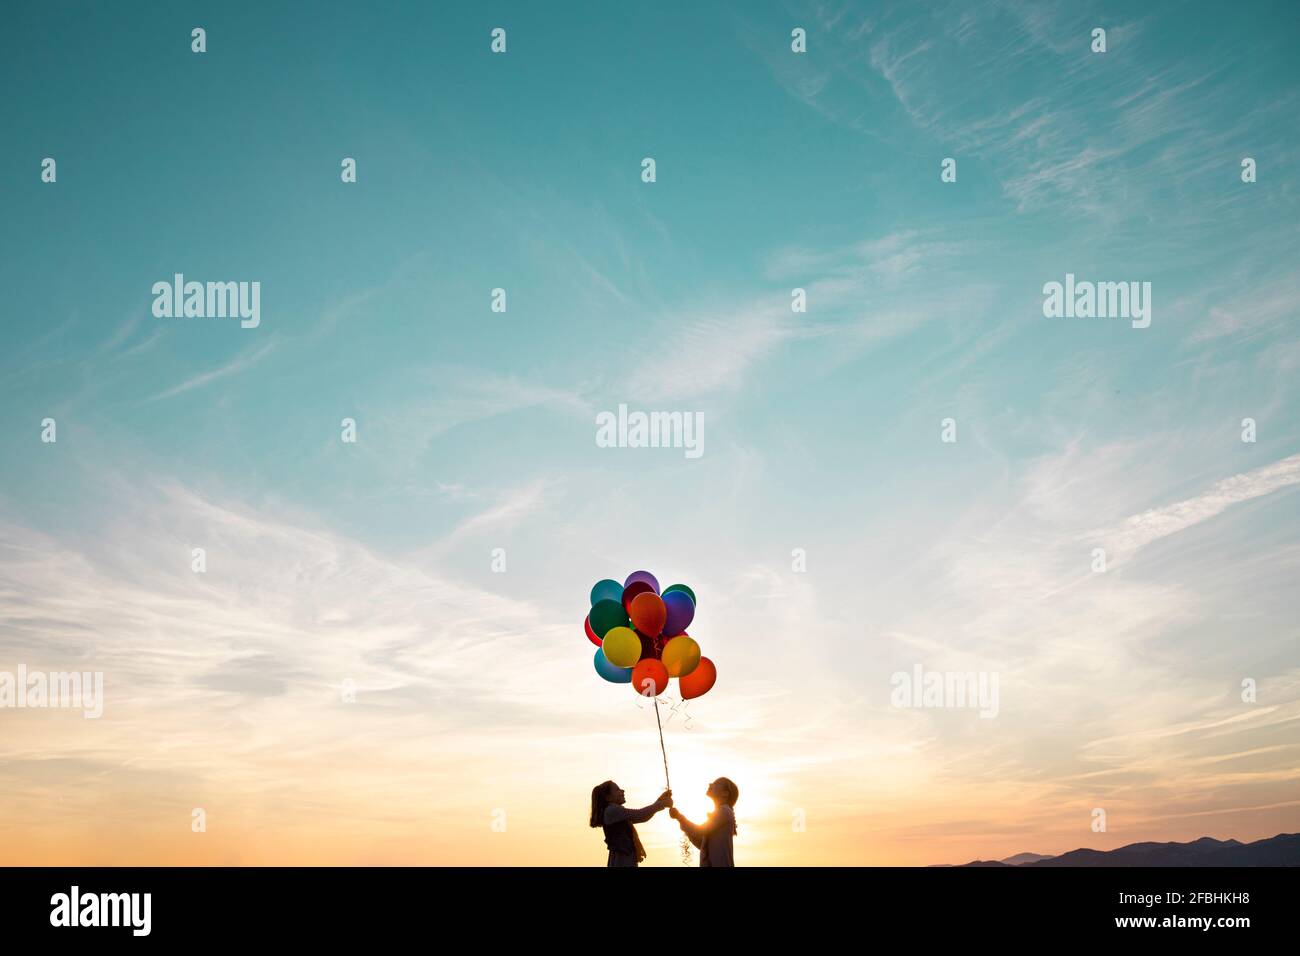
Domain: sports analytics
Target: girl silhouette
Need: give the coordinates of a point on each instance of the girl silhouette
(608, 812)
(713, 837)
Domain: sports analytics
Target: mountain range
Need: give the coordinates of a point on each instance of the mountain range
(1281, 850)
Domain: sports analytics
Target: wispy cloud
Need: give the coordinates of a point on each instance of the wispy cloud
(285, 614)
(712, 352)
(1036, 113)
(240, 363)
(501, 516)
(1139, 530)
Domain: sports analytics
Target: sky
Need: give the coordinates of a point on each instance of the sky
(831, 535)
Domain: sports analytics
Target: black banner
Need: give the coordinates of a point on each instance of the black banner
(336, 905)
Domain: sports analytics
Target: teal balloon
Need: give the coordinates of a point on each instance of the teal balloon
(615, 675)
(683, 588)
(606, 615)
(606, 590)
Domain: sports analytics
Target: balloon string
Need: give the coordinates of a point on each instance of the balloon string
(686, 844)
(662, 750)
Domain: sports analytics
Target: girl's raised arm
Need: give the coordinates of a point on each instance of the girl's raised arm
(695, 832)
(615, 813)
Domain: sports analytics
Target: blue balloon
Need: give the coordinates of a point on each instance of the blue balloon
(606, 590)
(681, 611)
(615, 675)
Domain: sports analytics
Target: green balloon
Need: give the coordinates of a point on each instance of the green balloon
(607, 615)
(684, 589)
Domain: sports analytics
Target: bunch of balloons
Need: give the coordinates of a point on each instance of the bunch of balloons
(640, 636)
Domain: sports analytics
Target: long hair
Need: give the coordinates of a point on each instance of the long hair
(599, 801)
(733, 794)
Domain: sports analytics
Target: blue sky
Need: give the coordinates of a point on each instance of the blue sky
(476, 430)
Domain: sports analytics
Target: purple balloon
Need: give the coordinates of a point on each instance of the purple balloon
(681, 611)
(645, 576)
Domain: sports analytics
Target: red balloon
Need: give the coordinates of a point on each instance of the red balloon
(648, 613)
(698, 682)
(632, 590)
(591, 635)
(648, 674)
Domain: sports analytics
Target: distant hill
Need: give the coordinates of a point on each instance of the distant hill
(1281, 850)
(1022, 858)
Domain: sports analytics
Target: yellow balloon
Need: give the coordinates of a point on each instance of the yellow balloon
(681, 655)
(622, 647)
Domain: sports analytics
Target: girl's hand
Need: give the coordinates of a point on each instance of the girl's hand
(672, 812)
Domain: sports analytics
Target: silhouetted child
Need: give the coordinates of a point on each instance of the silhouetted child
(713, 837)
(607, 811)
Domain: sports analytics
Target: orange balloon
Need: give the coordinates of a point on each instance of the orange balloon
(648, 613)
(649, 674)
(698, 682)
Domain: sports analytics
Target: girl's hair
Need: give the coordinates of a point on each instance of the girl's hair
(733, 792)
(599, 801)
